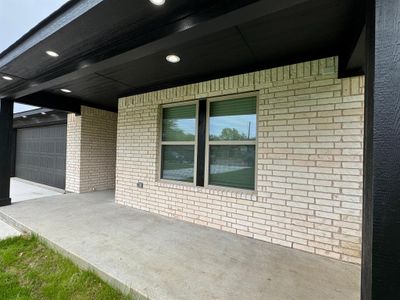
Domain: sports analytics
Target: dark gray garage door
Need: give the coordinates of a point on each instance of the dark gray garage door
(40, 154)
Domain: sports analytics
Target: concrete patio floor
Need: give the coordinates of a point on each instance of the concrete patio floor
(22, 190)
(164, 258)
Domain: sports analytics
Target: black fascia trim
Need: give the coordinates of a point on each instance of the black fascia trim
(53, 16)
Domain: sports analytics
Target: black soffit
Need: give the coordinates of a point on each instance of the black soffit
(117, 48)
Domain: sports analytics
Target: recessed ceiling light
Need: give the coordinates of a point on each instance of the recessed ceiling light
(7, 77)
(172, 58)
(52, 53)
(66, 91)
(157, 2)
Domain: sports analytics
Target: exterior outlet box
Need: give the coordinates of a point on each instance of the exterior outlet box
(139, 185)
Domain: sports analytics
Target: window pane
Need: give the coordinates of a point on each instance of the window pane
(233, 120)
(177, 162)
(232, 166)
(179, 123)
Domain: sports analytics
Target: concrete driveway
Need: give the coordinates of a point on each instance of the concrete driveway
(163, 258)
(22, 190)
(7, 231)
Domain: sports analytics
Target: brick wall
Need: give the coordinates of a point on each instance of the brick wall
(73, 158)
(91, 150)
(309, 181)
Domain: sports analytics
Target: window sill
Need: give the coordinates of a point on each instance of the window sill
(175, 182)
(211, 190)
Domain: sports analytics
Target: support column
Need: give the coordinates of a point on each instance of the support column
(381, 223)
(91, 150)
(6, 123)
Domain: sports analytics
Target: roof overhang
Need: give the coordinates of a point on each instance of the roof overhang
(39, 117)
(32, 112)
(111, 49)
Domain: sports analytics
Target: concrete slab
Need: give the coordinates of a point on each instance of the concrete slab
(22, 190)
(7, 231)
(164, 258)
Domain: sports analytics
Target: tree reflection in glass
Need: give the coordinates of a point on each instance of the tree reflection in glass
(178, 142)
(179, 123)
(232, 136)
(233, 120)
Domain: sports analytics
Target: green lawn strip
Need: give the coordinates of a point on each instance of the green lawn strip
(31, 270)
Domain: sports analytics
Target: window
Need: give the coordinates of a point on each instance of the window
(178, 142)
(210, 142)
(231, 142)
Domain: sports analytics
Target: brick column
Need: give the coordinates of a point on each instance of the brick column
(91, 150)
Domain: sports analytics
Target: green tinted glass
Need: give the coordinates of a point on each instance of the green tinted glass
(233, 120)
(232, 166)
(177, 162)
(179, 123)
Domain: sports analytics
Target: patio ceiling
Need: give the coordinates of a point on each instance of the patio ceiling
(108, 49)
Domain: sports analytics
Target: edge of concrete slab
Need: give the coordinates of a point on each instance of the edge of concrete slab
(8, 231)
(47, 187)
(75, 258)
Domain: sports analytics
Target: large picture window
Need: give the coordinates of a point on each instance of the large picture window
(215, 138)
(231, 142)
(178, 142)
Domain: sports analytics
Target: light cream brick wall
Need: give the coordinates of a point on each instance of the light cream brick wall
(309, 181)
(91, 150)
(72, 175)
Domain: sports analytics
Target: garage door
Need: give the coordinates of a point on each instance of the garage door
(40, 154)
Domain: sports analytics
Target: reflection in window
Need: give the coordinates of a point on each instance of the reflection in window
(178, 142)
(179, 123)
(232, 166)
(178, 163)
(233, 120)
(232, 142)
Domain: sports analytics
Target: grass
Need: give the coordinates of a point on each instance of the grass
(31, 270)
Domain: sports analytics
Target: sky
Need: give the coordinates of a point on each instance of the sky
(18, 17)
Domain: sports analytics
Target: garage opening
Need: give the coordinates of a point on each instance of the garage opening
(40, 147)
